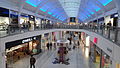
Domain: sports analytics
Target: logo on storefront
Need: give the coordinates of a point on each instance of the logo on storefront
(27, 40)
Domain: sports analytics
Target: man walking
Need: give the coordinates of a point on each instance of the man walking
(32, 62)
(48, 45)
(51, 46)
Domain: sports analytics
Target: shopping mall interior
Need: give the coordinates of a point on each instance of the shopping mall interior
(59, 34)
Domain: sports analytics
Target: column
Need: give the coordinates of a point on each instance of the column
(39, 44)
(2, 54)
(101, 61)
(117, 2)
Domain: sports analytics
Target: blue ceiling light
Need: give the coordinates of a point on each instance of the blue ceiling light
(94, 7)
(89, 15)
(43, 10)
(105, 2)
(98, 9)
(34, 3)
(50, 13)
(31, 3)
(89, 10)
(53, 15)
(92, 13)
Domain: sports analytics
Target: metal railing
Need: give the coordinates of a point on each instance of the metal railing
(111, 33)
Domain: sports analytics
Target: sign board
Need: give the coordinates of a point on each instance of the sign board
(21, 41)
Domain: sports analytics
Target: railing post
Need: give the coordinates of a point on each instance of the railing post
(109, 33)
(116, 35)
(102, 29)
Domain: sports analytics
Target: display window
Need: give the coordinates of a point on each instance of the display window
(4, 19)
(15, 53)
(108, 19)
(95, 54)
(106, 61)
(92, 51)
(16, 50)
(44, 41)
(115, 19)
(14, 18)
(117, 65)
(38, 22)
(24, 21)
(31, 22)
(4, 22)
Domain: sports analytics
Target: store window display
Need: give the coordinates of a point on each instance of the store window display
(4, 22)
(4, 19)
(117, 65)
(13, 21)
(16, 50)
(38, 23)
(24, 21)
(106, 61)
(31, 22)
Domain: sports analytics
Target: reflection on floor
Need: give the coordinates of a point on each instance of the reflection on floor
(77, 60)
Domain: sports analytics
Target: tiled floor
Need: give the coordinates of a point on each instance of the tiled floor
(77, 60)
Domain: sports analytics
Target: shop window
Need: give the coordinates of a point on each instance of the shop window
(117, 65)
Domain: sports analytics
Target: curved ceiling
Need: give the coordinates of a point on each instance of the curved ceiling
(63, 9)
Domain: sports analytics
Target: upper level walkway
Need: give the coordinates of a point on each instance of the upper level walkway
(110, 33)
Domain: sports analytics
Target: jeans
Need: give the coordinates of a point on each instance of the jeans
(32, 65)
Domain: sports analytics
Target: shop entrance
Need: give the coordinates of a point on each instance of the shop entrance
(97, 59)
(15, 53)
(115, 21)
(117, 65)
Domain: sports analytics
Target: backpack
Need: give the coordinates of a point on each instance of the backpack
(32, 60)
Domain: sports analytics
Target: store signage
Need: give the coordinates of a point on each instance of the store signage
(95, 40)
(114, 15)
(18, 42)
(28, 40)
(4, 12)
(109, 50)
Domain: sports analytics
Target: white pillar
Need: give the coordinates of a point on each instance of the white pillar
(2, 54)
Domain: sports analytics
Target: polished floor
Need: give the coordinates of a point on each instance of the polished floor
(44, 60)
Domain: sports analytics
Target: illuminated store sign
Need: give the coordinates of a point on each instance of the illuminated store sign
(18, 42)
(28, 40)
(95, 40)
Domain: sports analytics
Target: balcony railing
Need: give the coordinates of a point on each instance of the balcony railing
(111, 33)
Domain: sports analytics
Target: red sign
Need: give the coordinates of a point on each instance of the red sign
(95, 40)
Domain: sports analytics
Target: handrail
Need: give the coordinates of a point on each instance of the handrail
(110, 32)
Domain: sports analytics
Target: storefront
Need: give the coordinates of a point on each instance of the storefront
(99, 57)
(4, 19)
(44, 41)
(24, 21)
(16, 50)
(38, 22)
(117, 65)
(83, 41)
(115, 19)
(108, 20)
(43, 23)
(95, 54)
(14, 25)
(32, 22)
(105, 61)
